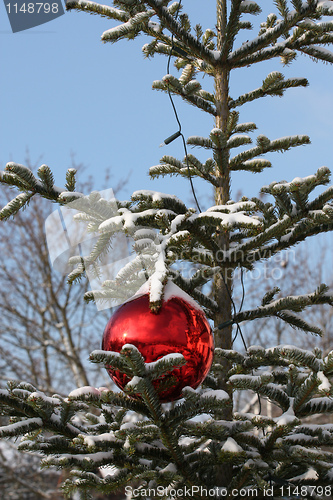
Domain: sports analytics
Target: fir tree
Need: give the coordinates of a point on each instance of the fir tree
(147, 444)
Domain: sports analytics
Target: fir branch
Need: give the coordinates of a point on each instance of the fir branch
(24, 179)
(70, 179)
(301, 231)
(183, 411)
(291, 303)
(244, 127)
(309, 386)
(217, 430)
(280, 49)
(197, 99)
(110, 359)
(134, 359)
(264, 145)
(208, 304)
(238, 255)
(201, 142)
(147, 199)
(231, 355)
(77, 274)
(202, 170)
(164, 365)
(187, 74)
(237, 140)
(96, 8)
(278, 433)
(168, 169)
(168, 20)
(171, 443)
(276, 88)
(200, 278)
(318, 53)
(299, 227)
(36, 412)
(283, 8)
(317, 406)
(163, 44)
(231, 29)
(305, 185)
(129, 29)
(14, 206)
(285, 143)
(21, 427)
(121, 400)
(24, 174)
(302, 357)
(321, 199)
(255, 165)
(296, 322)
(268, 297)
(258, 44)
(302, 228)
(16, 405)
(226, 221)
(88, 461)
(328, 364)
(46, 176)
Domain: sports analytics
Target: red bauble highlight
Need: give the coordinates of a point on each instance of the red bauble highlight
(178, 327)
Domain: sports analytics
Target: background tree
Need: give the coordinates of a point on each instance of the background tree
(168, 447)
(47, 331)
(295, 271)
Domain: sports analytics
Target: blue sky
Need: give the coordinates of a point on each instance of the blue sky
(64, 92)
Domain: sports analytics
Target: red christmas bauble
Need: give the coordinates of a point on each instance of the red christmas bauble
(180, 326)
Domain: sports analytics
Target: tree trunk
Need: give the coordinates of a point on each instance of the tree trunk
(223, 281)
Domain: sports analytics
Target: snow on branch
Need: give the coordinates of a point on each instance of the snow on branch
(15, 205)
(226, 220)
(96, 8)
(129, 29)
(21, 427)
(276, 87)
